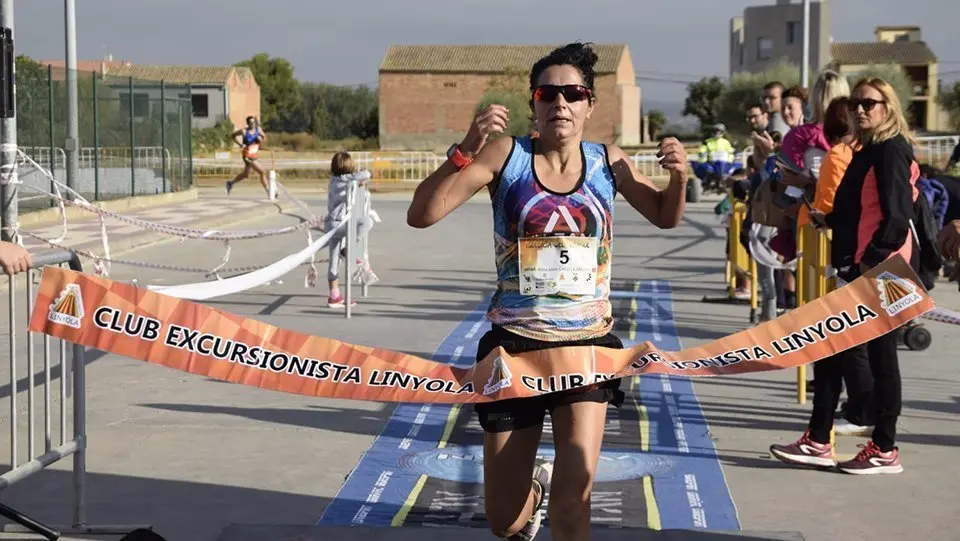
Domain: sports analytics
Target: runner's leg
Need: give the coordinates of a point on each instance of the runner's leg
(577, 436)
(255, 165)
(243, 174)
(510, 496)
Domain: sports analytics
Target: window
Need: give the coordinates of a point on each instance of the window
(902, 37)
(201, 105)
(141, 104)
(794, 29)
(764, 48)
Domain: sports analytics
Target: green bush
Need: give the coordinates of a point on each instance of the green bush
(206, 140)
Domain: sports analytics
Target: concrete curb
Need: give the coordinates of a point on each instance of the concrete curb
(52, 215)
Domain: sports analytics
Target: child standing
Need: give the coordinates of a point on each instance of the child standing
(342, 174)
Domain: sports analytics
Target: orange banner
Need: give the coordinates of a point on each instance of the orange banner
(134, 322)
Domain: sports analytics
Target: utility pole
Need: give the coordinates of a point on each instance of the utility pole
(805, 67)
(8, 142)
(72, 144)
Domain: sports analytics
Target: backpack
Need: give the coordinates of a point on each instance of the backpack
(764, 209)
(937, 197)
(924, 227)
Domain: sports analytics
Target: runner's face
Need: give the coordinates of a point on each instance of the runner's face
(560, 118)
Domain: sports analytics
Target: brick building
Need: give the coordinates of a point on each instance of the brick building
(428, 93)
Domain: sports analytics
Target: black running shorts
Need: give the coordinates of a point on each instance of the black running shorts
(518, 413)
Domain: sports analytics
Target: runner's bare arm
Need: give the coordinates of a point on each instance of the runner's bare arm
(446, 189)
(234, 135)
(663, 208)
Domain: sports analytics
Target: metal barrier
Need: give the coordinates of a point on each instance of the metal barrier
(71, 443)
(359, 197)
(813, 280)
(738, 260)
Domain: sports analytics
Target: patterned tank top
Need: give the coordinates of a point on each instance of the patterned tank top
(562, 243)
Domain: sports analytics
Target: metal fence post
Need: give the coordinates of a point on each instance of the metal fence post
(8, 136)
(163, 133)
(53, 137)
(189, 128)
(133, 168)
(351, 239)
(96, 140)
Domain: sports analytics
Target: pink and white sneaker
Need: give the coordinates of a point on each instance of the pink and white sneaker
(338, 301)
(871, 460)
(805, 452)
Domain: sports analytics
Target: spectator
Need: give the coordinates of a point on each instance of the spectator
(954, 158)
(758, 119)
(806, 144)
(877, 195)
(949, 242)
(772, 96)
(14, 258)
(792, 107)
(838, 128)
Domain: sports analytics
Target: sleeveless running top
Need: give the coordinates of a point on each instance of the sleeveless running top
(250, 136)
(523, 207)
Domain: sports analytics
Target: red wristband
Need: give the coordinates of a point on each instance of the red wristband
(458, 159)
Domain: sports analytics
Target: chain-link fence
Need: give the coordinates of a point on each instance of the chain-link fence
(135, 136)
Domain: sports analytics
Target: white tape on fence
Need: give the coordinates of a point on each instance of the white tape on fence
(208, 290)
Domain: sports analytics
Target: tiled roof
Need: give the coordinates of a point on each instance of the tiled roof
(483, 58)
(179, 74)
(898, 52)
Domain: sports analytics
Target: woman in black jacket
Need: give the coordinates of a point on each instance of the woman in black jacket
(873, 210)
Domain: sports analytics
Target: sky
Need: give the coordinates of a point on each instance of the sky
(343, 42)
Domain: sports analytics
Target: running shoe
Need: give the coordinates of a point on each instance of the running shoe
(805, 452)
(229, 187)
(871, 460)
(339, 302)
(542, 473)
(843, 427)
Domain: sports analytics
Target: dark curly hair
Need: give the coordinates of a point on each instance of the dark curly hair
(579, 55)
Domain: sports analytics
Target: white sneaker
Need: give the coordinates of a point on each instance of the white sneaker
(843, 427)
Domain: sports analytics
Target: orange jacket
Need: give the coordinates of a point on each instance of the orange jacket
(831, 173)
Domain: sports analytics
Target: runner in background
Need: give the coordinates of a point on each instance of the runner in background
(553, 202)
(249, 140)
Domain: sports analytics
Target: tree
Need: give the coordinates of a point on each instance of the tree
(656, 121)
(33, 103)
(280, 100)
(702, 99)
(510, 90)
(949, 99)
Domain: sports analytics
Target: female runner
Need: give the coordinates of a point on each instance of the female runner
(557, 186)
(250, 139)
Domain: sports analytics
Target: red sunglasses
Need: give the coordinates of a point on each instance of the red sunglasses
(571, 93)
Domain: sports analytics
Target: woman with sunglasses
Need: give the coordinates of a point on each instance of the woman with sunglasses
(561, 188)
(871, 217)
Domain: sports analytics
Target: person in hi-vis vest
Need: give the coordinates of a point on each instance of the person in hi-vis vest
(716, 155)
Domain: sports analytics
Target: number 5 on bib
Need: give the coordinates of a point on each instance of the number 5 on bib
(558, 265)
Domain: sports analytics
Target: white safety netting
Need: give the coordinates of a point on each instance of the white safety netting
(245, 278)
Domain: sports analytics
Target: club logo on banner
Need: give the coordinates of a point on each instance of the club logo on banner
(195, 338)
(896, 294)
(500, 377)
(67, 308)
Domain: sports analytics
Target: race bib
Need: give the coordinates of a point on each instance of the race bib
(251, 151)
(558, 265)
